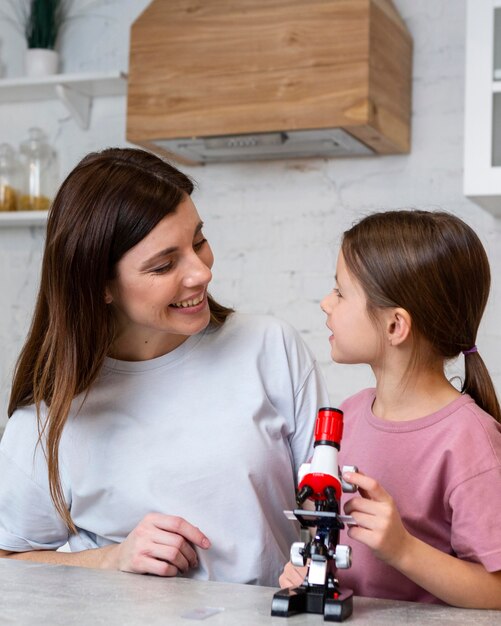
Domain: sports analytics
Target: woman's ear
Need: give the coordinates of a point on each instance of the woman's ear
(398, 327)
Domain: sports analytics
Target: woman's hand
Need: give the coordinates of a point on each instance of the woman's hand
(160, 544)
(292, 576)
(379, 524)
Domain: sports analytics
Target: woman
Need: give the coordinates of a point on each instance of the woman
(141, 409)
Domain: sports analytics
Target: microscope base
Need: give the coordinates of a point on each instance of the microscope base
(288, 602)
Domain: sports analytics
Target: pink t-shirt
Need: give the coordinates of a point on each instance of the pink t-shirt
(444, 473)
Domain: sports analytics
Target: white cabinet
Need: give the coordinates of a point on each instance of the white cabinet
(76, 91)
(482, 147)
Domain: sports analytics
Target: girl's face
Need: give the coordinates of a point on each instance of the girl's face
(159, 294)
(355, 337)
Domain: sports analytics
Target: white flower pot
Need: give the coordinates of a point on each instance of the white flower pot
(41, 62)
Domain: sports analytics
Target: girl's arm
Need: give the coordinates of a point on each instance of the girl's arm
(160, 544)
(452, 580)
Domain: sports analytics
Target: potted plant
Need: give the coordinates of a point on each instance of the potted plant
(42, 27)
(41, 22)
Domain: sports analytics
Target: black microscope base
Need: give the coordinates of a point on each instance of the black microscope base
(288, 602)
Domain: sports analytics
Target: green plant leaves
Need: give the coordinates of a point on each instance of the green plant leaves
(43, 23)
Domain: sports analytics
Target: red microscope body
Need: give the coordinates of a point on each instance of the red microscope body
(320, 482)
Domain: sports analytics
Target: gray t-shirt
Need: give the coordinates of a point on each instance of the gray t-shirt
(213, 431)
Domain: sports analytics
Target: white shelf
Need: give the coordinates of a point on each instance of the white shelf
(22, 218)
(74, 90)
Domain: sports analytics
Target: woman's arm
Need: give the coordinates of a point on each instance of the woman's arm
(86, 558)
(452, 580)
(160, 544)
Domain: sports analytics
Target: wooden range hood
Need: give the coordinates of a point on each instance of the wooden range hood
(225, 80)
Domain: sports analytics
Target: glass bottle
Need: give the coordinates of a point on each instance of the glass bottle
(9, 178)
(39, 165)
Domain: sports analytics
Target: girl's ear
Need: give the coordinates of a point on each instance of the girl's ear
(398, 327)
(108, 298)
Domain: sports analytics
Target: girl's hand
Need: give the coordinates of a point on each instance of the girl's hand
(379, 524)
(160, 544)
(292, 576)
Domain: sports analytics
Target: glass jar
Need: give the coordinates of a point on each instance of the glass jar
(39, 172)
(9, 178)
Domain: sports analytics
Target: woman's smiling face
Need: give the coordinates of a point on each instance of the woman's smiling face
(159, 295)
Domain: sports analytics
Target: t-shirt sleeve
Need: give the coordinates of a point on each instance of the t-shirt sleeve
(311, 396)
(28, 518)
(310, 393)
(476, 511)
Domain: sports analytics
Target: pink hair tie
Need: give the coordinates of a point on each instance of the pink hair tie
(470, 351)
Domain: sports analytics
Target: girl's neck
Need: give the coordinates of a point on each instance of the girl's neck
(403, 398)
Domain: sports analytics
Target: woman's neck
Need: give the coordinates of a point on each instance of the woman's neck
(135, 347)
(401, 397)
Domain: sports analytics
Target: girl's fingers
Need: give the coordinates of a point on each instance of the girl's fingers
(367, 521)
(367, 486)
(292, 576)
(363, 505)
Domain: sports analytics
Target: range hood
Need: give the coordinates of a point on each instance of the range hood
(227, 80)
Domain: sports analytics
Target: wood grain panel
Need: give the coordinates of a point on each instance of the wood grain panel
(390, 84)
(212, 67)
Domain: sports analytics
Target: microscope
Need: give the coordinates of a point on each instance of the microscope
(321, 483)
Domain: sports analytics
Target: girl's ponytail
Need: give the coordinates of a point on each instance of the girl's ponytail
(478, 384)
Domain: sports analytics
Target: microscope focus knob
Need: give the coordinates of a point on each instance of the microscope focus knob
(348, 487)
(343, 557)
(297, 554)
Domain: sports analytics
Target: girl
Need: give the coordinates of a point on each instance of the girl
(141, 409)
(411, 288)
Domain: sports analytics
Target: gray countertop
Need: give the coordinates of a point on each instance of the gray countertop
(32, 593)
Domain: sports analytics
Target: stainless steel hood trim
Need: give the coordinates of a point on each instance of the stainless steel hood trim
(326, 142)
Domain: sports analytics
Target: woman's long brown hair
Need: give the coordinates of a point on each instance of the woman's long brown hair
(434, 266)
(106, 205)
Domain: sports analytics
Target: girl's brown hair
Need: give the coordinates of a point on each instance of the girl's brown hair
(106, 205)
(434, 266)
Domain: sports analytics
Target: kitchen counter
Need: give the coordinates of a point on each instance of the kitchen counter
(33, 593)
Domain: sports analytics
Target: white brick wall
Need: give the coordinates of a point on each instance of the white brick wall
(274, 227)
